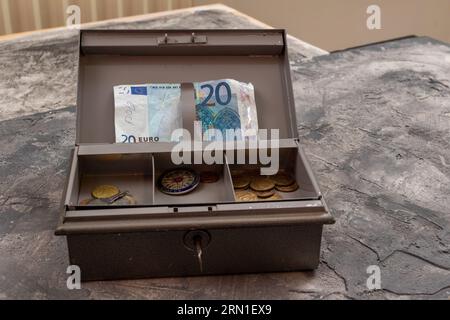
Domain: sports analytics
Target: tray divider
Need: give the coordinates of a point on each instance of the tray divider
(228, 178)
(73, 190)
(153, 179)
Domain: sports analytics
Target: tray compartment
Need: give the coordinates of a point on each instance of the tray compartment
(291, 161)
(128, 172)
(206, 193)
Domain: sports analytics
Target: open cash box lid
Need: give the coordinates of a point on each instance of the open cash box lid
(116, 57)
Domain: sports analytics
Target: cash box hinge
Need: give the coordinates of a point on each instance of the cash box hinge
(185, 39)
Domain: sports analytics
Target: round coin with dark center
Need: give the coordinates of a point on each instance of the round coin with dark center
(178, 181)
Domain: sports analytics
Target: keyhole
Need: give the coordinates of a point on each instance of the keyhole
(198, 248)
(197, 241)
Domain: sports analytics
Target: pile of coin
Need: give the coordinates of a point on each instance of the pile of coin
(109, 195)
(250, 186)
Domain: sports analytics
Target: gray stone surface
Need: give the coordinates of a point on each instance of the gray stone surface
(374, 122)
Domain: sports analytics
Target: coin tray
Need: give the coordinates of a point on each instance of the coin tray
(128, 172)
(138, 174)
(290, 162)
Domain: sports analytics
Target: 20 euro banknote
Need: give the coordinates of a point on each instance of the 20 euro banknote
(152, 112)
(147, 113)
(225, 105)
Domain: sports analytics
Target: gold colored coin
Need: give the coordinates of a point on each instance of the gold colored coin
(291, 188)
(282, 179)
(246, 195)
(105, 191)
(265, 194)
(241, 182)
(275, 197)
(262, 184)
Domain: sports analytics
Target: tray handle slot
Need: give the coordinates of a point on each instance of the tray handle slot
(185, 39)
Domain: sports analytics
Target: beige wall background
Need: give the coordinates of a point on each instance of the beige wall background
(328, 24)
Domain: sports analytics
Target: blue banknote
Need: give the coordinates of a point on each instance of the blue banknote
(216, 107)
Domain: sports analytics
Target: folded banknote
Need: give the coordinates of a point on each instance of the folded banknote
(225, 104)
(152, 112)
(147, 113)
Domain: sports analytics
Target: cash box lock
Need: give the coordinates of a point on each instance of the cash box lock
(197, 241)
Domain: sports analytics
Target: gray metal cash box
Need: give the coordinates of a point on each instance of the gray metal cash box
(162, 235)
